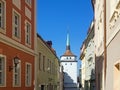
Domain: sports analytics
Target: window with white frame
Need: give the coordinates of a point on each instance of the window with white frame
(28, 33)
(28, 74)
(17, 75)
(29, 2)
(16, 25)
(2, 71)
(2, 14)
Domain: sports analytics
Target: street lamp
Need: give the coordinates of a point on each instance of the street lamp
(16, 62)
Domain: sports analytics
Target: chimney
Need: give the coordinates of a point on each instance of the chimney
(49, 43)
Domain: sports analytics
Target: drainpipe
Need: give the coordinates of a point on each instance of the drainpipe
(105, 51)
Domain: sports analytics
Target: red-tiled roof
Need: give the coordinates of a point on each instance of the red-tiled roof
(68, 53)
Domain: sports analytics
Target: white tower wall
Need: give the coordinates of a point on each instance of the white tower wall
(70, 70)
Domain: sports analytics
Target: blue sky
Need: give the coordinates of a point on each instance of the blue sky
(55, 16)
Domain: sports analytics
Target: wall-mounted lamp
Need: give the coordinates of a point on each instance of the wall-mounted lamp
(16, 62)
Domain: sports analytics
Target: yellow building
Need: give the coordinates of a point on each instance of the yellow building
(47, 66)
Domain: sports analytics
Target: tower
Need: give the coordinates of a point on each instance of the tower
(69, 63)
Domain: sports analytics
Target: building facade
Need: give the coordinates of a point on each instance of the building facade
(69, 63)
(47, 66)
(107, 74)
(112, 44)
(88, 60)
(82, 58)
(17, 44)
(99, 43)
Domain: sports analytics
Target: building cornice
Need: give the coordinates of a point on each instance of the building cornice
(8, 41)
(67, 61)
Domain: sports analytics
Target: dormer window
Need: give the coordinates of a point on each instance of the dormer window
(2, 18)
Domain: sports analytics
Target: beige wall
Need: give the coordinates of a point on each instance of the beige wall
(113, 57)
(99, 43)
(113, 48)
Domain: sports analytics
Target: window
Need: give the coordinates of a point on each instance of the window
(29, 2)
(116, 74)
(48, 66)
(16, 25)
(17, 75)
(39, 61)
(52, 67)
(90, 61)
(43, 63)
(2, 16)
(2, 71)
(28, 74)
(28, 33)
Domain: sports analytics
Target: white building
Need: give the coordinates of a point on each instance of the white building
(82, 58)
(107, 42)
(87, 58)
(113, 45)
(69, 63)
(99, 41)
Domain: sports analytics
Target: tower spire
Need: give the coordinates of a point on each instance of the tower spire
(68, 42)
(68, 51)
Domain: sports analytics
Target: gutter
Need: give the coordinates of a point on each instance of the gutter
(105, 48)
